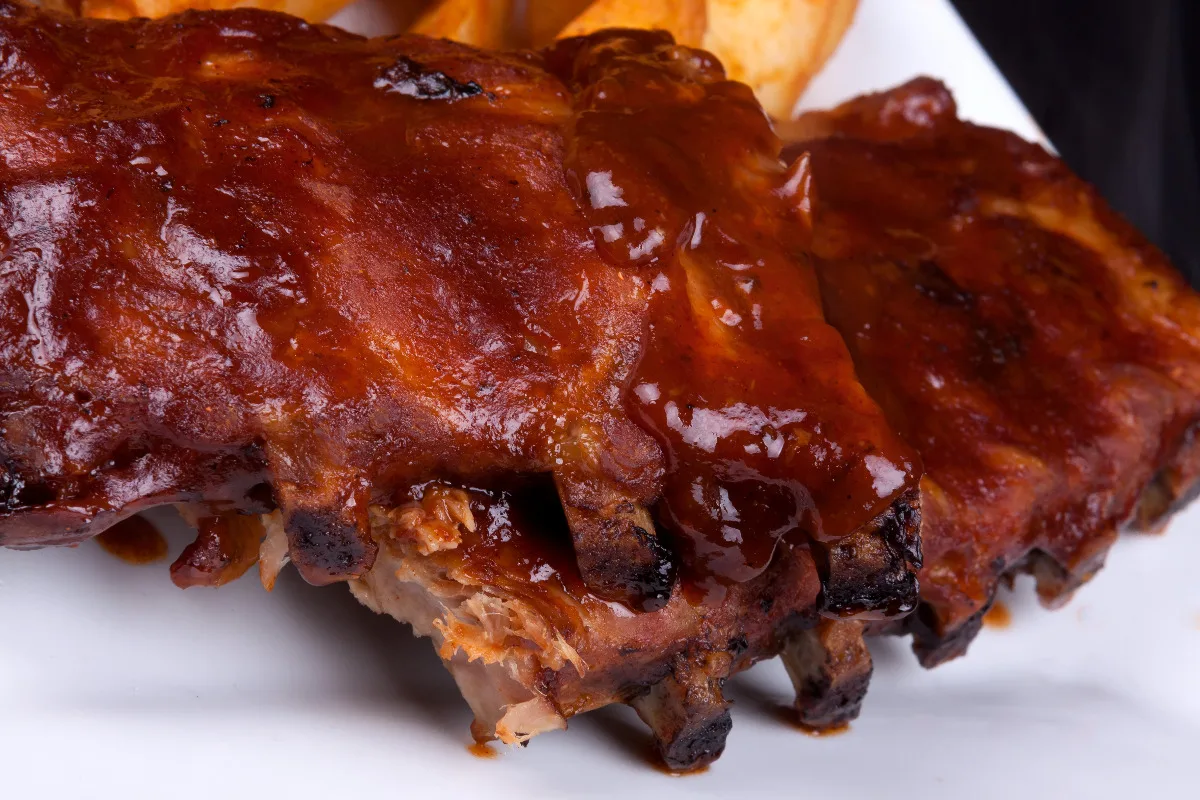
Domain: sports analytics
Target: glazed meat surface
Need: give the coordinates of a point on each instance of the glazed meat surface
(497, 338)
(253, 263)
(1041, 356)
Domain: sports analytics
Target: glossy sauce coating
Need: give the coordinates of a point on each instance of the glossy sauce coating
(750, 393)
(1041, 356)
(252, 261)
(255, 274)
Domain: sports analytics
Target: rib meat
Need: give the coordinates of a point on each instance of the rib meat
(374, 289)
(1041, 356)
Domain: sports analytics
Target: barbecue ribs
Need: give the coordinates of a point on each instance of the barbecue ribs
(514, 343)
(1041, 356)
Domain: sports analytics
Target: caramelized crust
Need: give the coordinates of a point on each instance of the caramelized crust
(252, 263)
(1041, 356)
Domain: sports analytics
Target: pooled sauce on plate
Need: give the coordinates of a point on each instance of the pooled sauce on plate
(788, 716)
(823, 733)
(134, 541)
(482, 750)
(998, 616)
(654, 760)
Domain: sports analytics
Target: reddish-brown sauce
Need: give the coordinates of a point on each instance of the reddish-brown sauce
(654, 760)
(482, 750)
(134, 541)
(823, 733)
(270, 254)
(788, 716)
(748, 391)
(998, 616)
(1037, 352)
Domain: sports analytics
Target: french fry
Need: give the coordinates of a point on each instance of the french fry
(311, 10)
(776, 46)
(683, 19)
(482, 23)
(840, 16)
(543, 19)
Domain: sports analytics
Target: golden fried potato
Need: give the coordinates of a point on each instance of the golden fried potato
(483, 23)
(776, 46)
(543, 19)
(312, 10)
(65, 6)
(683, 19)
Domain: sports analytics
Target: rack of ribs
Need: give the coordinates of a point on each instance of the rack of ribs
(1041, 356)
(525, 347)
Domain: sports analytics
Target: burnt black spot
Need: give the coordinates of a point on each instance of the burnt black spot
(932, 643)
(932, 282)
(654, 583)
(738, 645)
(266, 101)
(259, 499)
(901, 528)
(326, 548)
(629, 565)
(408, 78)
(30, 495)
(16, 493)
(996, 346)
(128, 453)
(220, 122)
(868, 580)
(698, 745)
(824, 703)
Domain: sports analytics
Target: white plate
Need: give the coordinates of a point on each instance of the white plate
(115, 684)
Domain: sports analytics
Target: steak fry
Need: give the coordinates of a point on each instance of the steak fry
(1041, 356)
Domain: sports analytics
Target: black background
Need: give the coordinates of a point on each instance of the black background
(1115, 84)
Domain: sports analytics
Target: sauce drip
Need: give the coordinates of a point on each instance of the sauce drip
(998, 616)
(823, 733)
(482, 750)
(751, 395)
(134, 541)
(788, 716)
(658, 764)
(654, 760)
